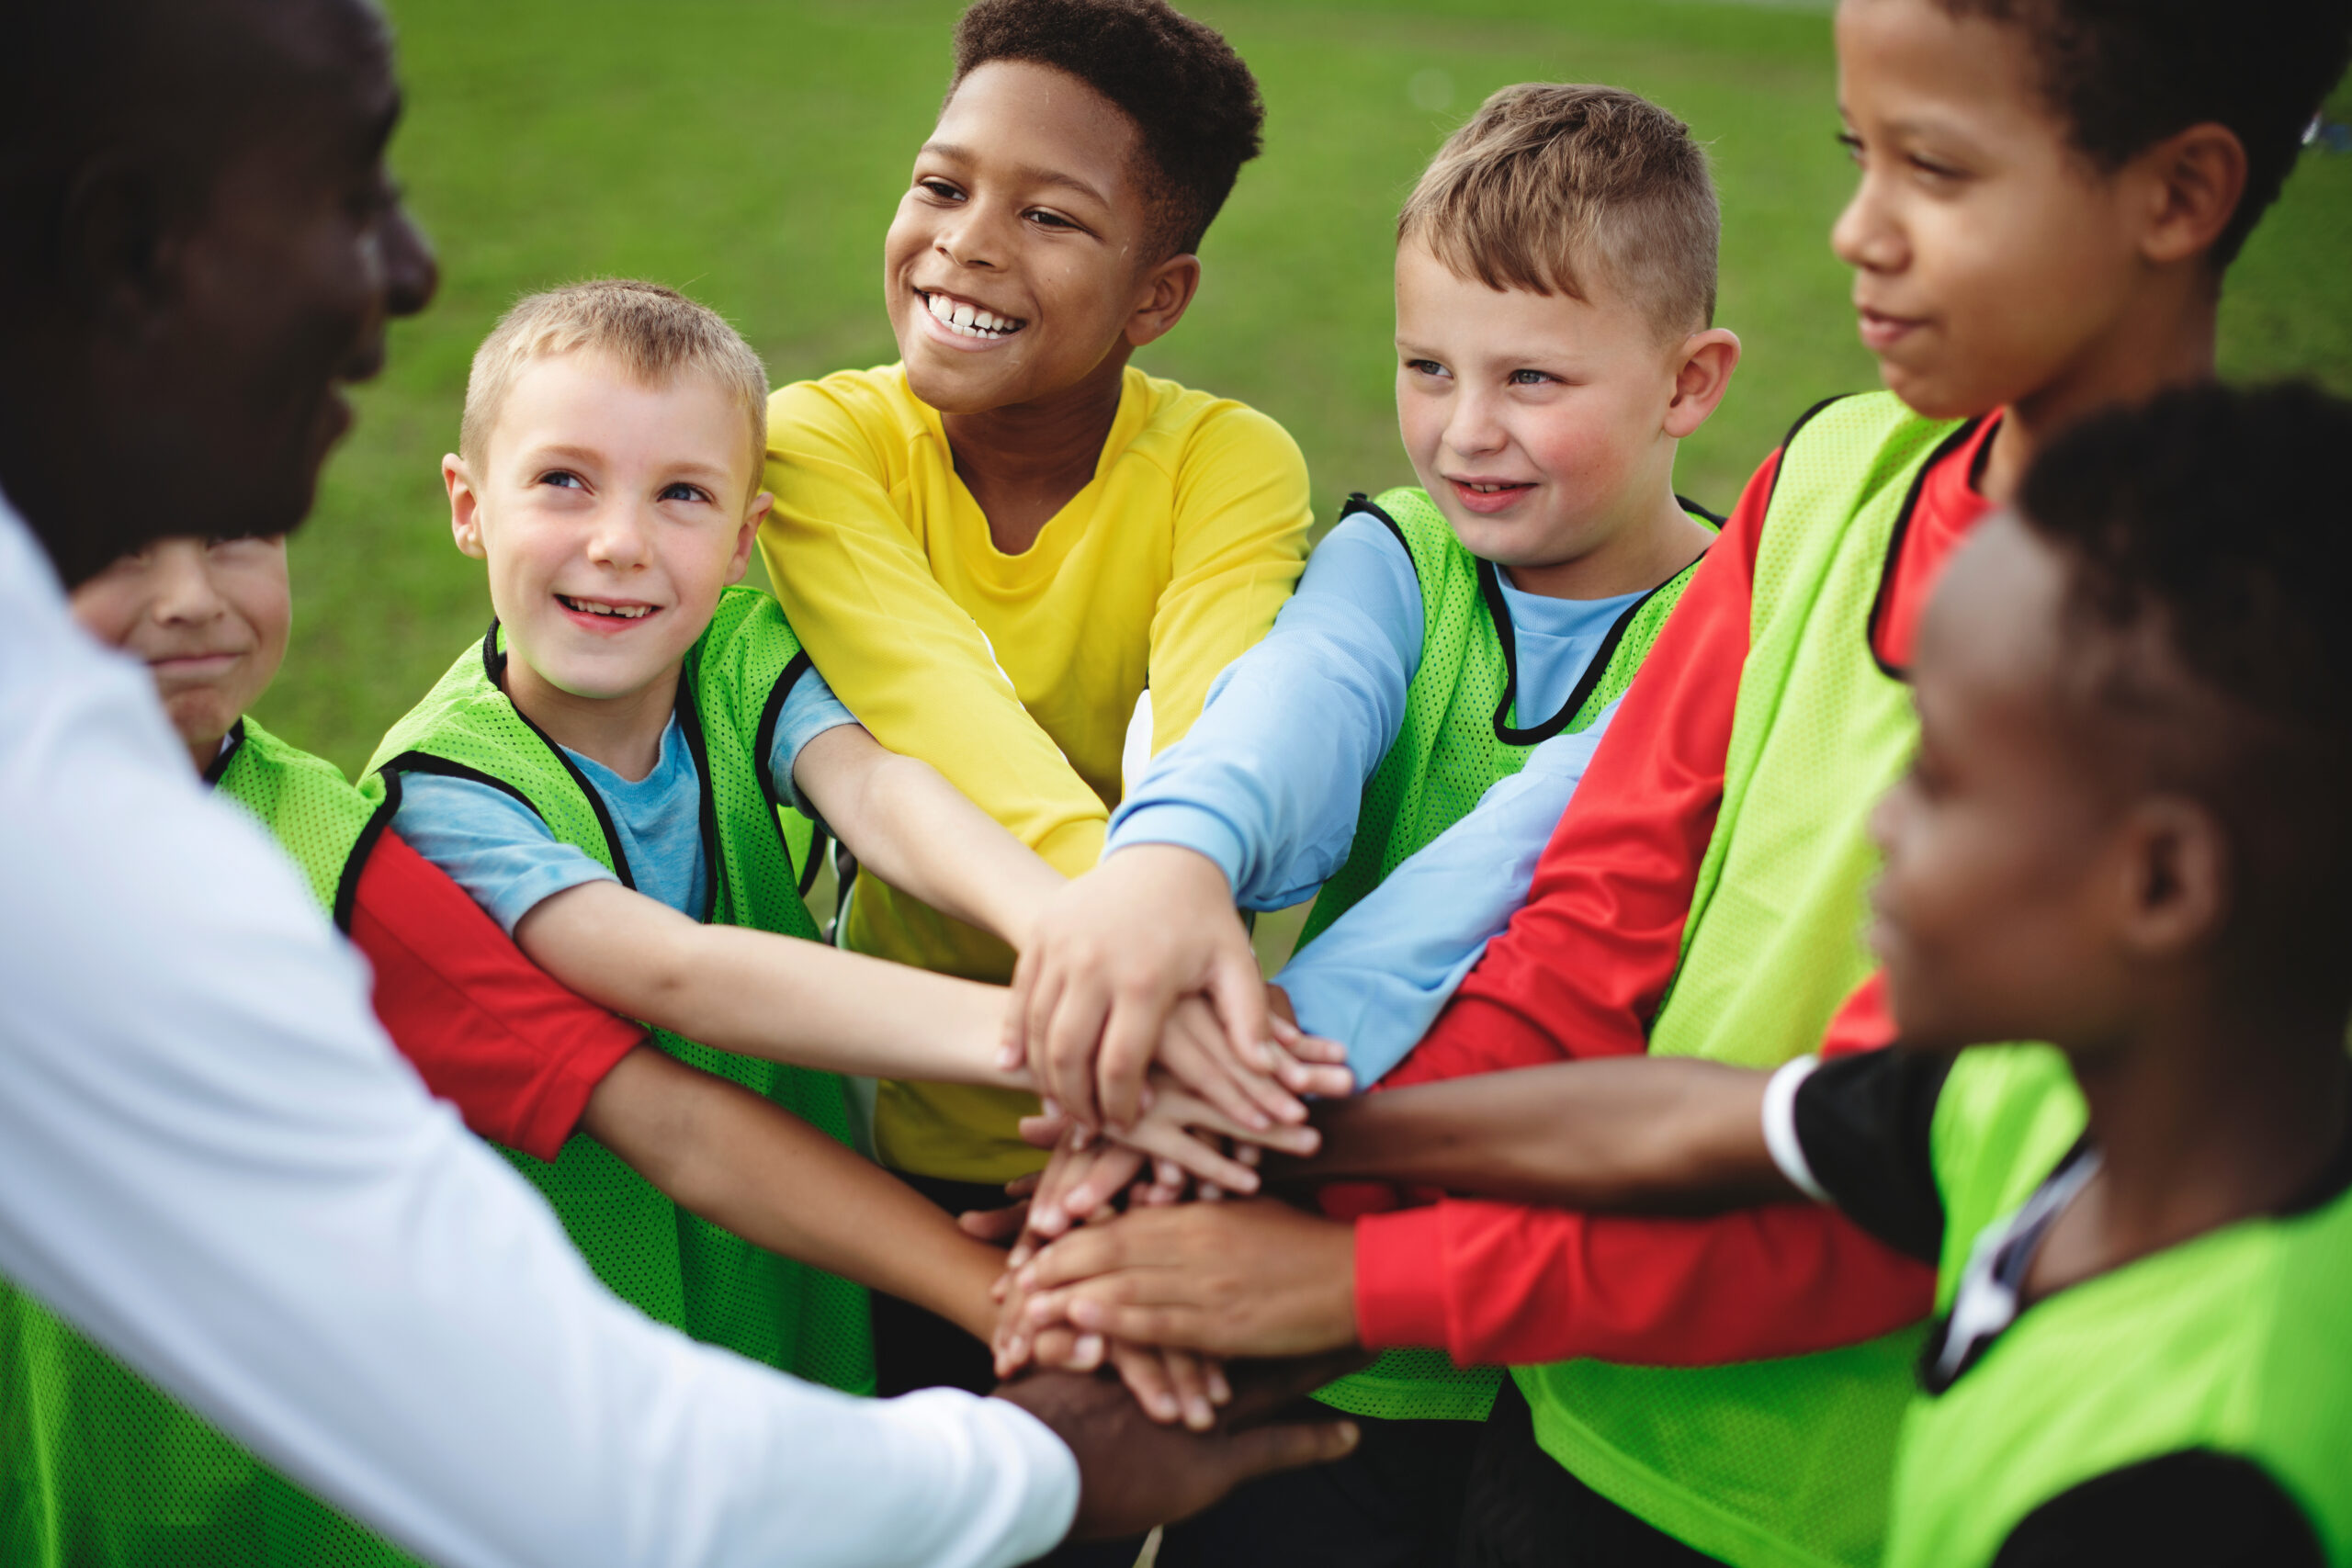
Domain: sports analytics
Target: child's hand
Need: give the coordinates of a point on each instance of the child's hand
(1108, 960)
(1170, 1385)
(1255, 1279)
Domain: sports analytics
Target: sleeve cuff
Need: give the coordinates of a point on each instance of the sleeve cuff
(1780, 1126)
(1189, 827)
(1400, 1289)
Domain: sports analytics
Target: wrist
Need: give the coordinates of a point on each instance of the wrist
(1184, 847)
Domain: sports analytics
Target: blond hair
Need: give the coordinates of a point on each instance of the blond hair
(1551, 186)
(655, 333)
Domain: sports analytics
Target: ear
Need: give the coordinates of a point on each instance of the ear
(749, 536)
(1706, 361)
(118, 249)
(2175, 892)
(465, 506)
(1167, 291)
(2194, 180)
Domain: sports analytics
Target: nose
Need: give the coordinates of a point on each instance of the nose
(971, 237)
(1866, 235)
(411, 274)
(184, 592)
(617, 540)
(1472, 427)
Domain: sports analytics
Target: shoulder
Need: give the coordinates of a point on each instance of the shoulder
(1187, 430)
(872, 406)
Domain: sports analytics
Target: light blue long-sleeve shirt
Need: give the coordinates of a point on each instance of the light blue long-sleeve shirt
(1268, 782)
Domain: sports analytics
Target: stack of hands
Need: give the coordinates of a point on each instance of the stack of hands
(1168, 1067)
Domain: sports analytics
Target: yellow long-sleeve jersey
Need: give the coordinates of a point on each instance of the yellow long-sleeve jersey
(1016, 676)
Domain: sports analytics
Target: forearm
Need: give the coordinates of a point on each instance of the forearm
(1636, 1133)
(766, 995)
(749, 1167)
(918, 833)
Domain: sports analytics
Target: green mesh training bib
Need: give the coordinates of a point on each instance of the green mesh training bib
(674, 1266)
(2233, 1343)
(1461, 733)
(99, 1468)
(1779, 1465)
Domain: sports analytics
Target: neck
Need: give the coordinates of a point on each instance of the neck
(1655, 540)
(204, 753)
(2209, 1118)
(2168, 342)
(1022, 463)
(624, 733)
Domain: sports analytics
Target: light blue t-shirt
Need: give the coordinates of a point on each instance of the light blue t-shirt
(1268, 781)
(499, 851)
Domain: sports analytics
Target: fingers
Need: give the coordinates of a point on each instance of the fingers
(1192, 1049)
(1266, 1450)
(1187, 1374)
(1064, 1020)
(1166, 1394)
(1167, 1142)
(1238, 992)
(1012, 1034)
(1082, 1255)
(1137, 1015)
(1079, 1182)
(995, 1226)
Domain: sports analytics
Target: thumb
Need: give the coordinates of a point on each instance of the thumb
(1262, 1450)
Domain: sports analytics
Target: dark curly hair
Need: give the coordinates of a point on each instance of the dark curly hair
(2208, 552)
(1194, 104)
(2127, 74)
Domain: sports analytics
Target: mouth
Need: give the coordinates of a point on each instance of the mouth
(607, 614)
(1483, 495)
(1880, 331)
(968, 319)
(194, 666)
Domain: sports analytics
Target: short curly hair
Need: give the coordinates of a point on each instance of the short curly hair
(2124, 75)
(2206, 643)
(1193, 103)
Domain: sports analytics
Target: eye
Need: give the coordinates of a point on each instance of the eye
(939, 189)
(1044, 219)
(562, 479)
(682, 491)
(1932, 171)
(1529, 377)
(1851, 143)
(1426, 368)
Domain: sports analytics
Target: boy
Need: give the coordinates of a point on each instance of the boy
(1556, 280)
(131, 1478)
(1702, 896)
(2124, 834)
(604, 775)
(997, 544)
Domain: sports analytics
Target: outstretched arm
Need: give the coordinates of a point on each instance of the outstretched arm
(751, 1168)
(906, 823)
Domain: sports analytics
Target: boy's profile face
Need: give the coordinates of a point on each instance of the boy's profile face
(1996, 911)
(611, 514)
(1990, 257)
(1543, 426)
(209, 617)
(1020, 257)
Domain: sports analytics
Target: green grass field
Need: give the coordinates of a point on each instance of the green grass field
(750, 152)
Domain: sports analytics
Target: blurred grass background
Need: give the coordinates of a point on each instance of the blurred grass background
(750, 152)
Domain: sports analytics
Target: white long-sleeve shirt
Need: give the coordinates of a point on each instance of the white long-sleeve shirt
(214, 1162)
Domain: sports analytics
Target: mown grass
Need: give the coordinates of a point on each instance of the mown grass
(751, 150)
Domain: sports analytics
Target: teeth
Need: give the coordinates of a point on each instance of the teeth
(621, 612)
(968, 320)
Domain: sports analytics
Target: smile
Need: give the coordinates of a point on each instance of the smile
(967, 319)
(1489, 495)
(607, 611)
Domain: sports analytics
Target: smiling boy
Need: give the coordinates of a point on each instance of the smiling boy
(1556, 273)
(604, 775)
(2049, 195)
(995, 545)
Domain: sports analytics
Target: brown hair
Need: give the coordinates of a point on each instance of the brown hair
(656, 333)
(1551, 186)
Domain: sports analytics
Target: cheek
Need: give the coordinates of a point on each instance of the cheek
(1421, 421)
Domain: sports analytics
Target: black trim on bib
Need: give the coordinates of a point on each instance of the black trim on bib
(1803, 420)
(1356, 502)
(493, 665)
(1902, 531)
(763, 748)
(1717, 518)
(689, 712)
(1596, 668)
(346, 887)
(230, 743)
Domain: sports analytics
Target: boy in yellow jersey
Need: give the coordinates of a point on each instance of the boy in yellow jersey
(993, 547)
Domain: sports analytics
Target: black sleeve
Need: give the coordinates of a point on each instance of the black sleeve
(2192, 1508)
(1864, 1122)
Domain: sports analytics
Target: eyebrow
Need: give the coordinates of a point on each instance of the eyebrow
(1027, 173)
